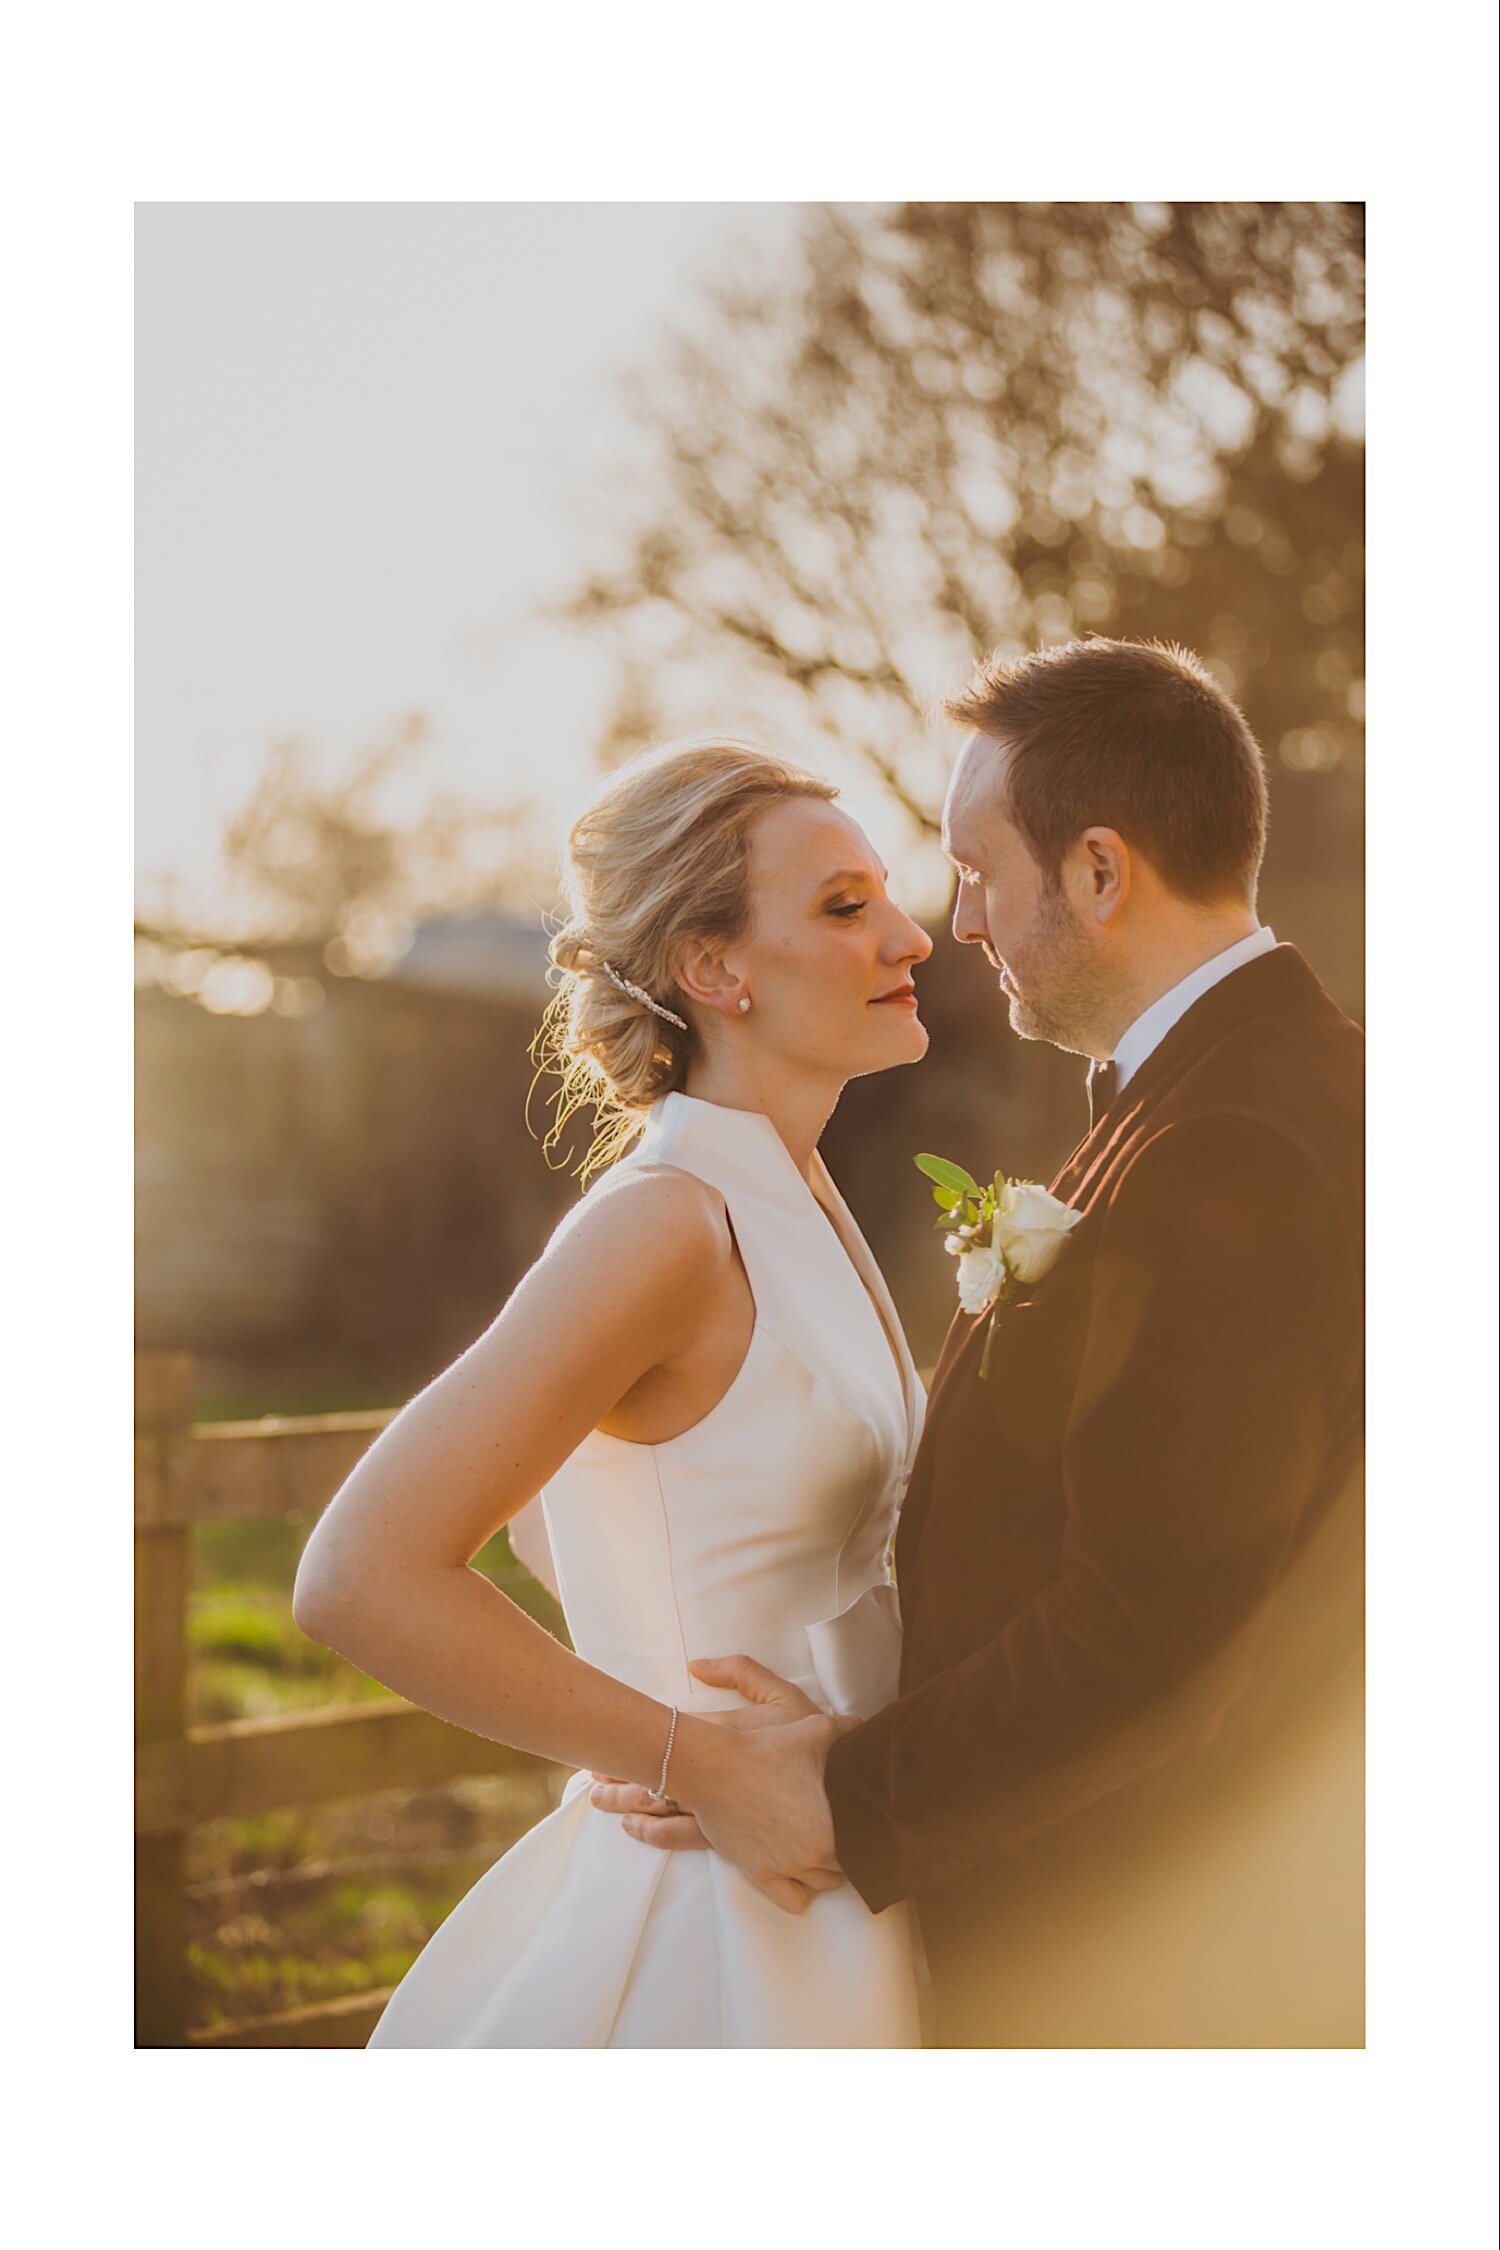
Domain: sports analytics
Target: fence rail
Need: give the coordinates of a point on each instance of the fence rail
(188, 1473)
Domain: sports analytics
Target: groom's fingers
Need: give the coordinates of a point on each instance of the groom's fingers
(796, 1892)
(756, 1682)
(822, 1878)
(783, 1891)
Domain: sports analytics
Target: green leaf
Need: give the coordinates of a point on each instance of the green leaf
(947, 1199)
(947, 1175)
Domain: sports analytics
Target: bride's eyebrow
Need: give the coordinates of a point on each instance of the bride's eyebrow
(850, 875)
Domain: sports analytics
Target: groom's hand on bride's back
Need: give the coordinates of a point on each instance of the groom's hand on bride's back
(672, 1828)
(762, 1807)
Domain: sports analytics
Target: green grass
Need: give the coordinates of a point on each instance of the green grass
(309, 1903)
(247, 1657)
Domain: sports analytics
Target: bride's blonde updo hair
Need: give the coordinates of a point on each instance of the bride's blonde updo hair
(660, 856)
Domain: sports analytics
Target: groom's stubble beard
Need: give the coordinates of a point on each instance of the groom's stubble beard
(1058, 976)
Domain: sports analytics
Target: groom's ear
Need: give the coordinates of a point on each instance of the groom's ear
(1103, 872)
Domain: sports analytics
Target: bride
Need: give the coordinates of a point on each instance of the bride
(705, 1380)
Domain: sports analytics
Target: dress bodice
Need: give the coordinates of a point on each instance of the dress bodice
(764, 1528)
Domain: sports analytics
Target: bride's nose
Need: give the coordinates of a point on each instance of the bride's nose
(910, 942)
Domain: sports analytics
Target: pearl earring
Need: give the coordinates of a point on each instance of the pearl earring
(744, 1002)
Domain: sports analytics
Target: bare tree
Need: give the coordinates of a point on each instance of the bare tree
(326, 862)
(321, 875)
(943, 427)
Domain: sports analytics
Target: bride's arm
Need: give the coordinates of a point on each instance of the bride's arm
(385, 1577)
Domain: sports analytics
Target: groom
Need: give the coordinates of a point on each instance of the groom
(1121, 1779)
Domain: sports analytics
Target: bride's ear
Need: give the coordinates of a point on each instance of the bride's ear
(703, 976)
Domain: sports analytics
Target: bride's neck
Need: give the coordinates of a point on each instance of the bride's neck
(799, 1109)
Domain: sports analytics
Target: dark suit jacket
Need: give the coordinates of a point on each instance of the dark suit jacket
(1122, 1776)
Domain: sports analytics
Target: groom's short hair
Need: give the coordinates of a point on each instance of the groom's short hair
(1132, 735)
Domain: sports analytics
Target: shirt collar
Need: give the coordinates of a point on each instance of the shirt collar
(1151, 1028)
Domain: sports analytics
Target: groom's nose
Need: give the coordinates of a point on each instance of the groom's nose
(969, 925)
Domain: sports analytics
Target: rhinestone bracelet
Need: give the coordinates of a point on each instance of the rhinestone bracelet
(660, 1791)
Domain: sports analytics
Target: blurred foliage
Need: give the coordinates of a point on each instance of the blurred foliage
(941, 428)
(325, 873)
(326, 860)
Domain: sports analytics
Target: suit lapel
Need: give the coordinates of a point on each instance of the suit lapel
(1270, 982)
(1263, 986)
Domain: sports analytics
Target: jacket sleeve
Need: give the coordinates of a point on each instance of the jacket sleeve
(1222, 1339)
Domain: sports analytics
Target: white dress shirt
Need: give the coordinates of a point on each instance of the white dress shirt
(1150, 1029)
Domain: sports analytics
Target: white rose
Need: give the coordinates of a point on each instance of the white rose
(1031, 1227)
(980, 1273)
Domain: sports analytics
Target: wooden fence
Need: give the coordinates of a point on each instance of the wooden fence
(190, 1472)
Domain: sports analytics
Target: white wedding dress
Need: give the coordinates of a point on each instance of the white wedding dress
(762, 1530)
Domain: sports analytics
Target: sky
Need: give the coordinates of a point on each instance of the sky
(367, 445)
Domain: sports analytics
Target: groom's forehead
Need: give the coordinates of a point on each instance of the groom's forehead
(976, 793)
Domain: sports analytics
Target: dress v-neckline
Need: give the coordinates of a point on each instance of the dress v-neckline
(892, 1344)
(781, 1177)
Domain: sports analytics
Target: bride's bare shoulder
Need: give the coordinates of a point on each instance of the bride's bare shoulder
(656, 1213)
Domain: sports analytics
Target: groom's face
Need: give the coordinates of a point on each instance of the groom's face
(1044, 954)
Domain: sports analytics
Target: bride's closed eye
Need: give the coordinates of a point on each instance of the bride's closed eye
(857, 906)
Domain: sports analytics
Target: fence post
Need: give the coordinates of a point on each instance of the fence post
(164, 1383)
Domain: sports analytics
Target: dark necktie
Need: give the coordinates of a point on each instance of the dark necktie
(1103, 1085)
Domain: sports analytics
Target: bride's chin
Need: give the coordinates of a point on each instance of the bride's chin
(909, 1044)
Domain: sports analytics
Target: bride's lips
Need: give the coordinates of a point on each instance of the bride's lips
(904, 996)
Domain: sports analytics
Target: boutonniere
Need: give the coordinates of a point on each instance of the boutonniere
(1007, 1233)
